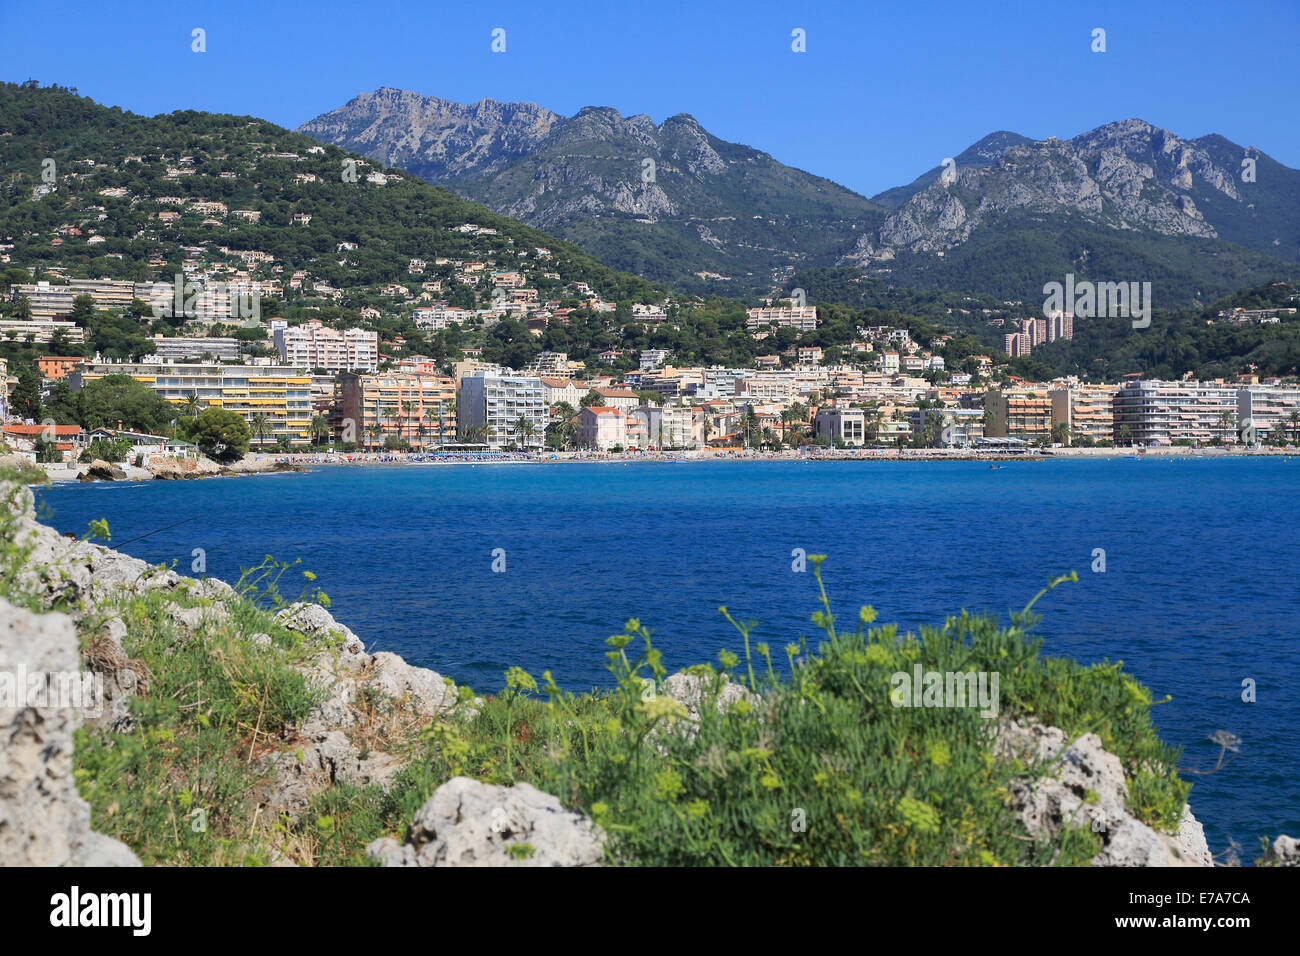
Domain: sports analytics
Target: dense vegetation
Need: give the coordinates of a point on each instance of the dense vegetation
(90, 146)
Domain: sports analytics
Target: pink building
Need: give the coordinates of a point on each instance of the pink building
(602, 427)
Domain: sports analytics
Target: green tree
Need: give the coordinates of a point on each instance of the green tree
(120, 398)
(524, 429)
(83, 310)
(26, 398)
(260, 423)
(220, 434)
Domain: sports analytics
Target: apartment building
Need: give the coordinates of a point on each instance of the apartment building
(503, 409)
(668, 426)
(548, 364)
(847, 425)
(672, 383)
(618, 397)
(1265, 407)
(1086, 410)
(1165, 413)
(653, 358)
(952, 427)
(315, 345)
(765, 387)
(436, 318)
(410, 407)
(55, 368)
(280, 393)
(556, 390)
(47, 300)
(40, 330)
(1019, 412)
(802, 317)
(182, 349)
(1017, 344)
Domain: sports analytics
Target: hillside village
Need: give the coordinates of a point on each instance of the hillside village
(330, 302)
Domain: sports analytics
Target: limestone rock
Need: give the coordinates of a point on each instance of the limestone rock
(1285, 851)
(43, 819)
(689, 690)
(1085, 786)
(468, 823)
(100, 470)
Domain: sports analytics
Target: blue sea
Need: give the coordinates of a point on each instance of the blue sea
(1198, 592)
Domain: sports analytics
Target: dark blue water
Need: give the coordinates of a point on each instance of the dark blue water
(1198, 593)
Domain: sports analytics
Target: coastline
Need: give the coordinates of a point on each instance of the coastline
(260, 464)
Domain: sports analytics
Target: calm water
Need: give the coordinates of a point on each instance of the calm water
(1199, 590)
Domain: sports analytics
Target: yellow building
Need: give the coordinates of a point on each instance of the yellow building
(281, 393)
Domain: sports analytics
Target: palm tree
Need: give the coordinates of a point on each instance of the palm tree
(524, 427)
(191, 405)
(1294, 419)
(707, 428)
(260, 422)
(451, 405)
(319, 426)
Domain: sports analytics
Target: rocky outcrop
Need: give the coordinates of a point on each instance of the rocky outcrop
(357, 690)
(1128, 176)
(1285, 851)
(100, 470)
(365, 699)
(468, 823)
(167, 468)
(694, 202)
(690, 690)
(1085, 786)
(43, 820)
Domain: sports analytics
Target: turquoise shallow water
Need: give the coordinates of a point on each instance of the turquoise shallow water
(1199, 590)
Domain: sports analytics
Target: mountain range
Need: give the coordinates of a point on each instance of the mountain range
(676, 204)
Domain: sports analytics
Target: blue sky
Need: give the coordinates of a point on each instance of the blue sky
(883, 93)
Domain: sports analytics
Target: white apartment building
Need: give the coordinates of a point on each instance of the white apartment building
(766, 387)
(653, 358)
(669, 426)
(847, 425)
(1265, 407)
(1164, 413)
(314, 345)
(802, 317)
(953, 427)
(437, 318)
(491, 406)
